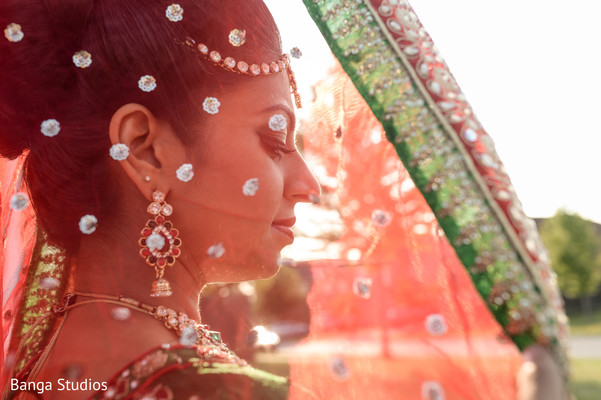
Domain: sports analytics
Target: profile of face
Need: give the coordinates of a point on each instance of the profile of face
(239, 207)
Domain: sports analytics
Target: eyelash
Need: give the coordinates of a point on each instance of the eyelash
(276, 146)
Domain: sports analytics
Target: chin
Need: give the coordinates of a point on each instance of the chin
(242, 271)
(263, 269)
(262, 264)
(268, 271)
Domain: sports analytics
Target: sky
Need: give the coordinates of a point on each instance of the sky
(531, 71)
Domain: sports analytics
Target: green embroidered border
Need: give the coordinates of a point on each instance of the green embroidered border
(47, 262)
(335, 20)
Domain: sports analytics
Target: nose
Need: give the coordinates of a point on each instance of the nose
(300, 185)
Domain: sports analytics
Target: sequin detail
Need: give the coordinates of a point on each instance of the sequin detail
(119, 152)
(147, 83)
(13, 33)
(339, 368)
(381, 218)
(296, 53)
(436, 325)
(237, 37)
(19, 201)
(50, 127)
(216, 250)
(211, 105)
(87, 224)
(121, 313)
(174, 13)
(251, 187)
(185, 173)
(432, 390)
(82, 59)
(278, 123)
(362, 287)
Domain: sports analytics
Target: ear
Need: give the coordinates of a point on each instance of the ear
(153, 148)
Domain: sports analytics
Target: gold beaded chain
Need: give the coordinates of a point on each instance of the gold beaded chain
(208, 343)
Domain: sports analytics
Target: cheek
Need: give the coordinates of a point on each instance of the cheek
(242, 222)
(256, 184)
(243, 181)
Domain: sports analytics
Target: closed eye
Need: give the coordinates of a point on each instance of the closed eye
(275, 146)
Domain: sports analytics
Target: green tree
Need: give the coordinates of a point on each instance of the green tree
(574, 249)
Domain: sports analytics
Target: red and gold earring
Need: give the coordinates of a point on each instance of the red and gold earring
(160, 243)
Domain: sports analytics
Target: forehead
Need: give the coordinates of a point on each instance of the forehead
(255, 94)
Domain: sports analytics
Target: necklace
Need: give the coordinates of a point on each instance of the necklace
(207, 343)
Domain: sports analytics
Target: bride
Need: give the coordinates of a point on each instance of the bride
(160, 153)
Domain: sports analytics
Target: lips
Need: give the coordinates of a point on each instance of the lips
(285, 226)
(285, 222)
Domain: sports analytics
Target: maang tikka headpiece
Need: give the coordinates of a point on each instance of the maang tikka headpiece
(237, 38)
(244, 68)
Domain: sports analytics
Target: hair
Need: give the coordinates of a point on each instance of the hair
(68, 175)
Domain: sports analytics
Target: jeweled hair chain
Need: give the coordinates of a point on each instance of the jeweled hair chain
(243, 68)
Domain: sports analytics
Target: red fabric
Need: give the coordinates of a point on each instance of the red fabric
(382, 342)
(18, 238)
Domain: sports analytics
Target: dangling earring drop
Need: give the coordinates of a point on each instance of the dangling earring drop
(160, 243)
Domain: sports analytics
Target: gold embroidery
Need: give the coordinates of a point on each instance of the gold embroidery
(48, 264)
(149, 364)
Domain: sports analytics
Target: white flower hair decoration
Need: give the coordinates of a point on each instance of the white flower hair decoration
(13, 33)
(211, 105)
(50, 127)
(119, 151)
(82, 59)
(216, 251)
(18, 201)
(147, 83)
(237, 37)
(251, 187)
(278, 123)
(185, 173)
(87, 224)
(174, 13)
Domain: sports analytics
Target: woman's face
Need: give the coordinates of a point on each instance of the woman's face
(244, 189)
